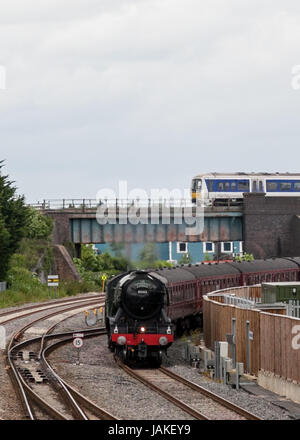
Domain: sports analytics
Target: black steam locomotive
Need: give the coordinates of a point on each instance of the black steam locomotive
(137, 324)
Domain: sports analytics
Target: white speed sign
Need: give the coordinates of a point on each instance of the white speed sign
(77, 342)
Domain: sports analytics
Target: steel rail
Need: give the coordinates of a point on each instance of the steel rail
(99, 412)
(224, 402)
(24, 388)
(21, 384)
(42, 308)
(188, 409)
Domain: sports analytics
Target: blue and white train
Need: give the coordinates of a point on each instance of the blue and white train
(218, 188)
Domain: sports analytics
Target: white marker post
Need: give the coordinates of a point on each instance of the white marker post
(78, 343)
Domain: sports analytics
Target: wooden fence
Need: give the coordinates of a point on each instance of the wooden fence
(278, 349)
(271, 348)
(217, 319)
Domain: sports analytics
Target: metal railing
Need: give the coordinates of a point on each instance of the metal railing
(115, 203)
(293, 308)
(59, 204)
(241, 302)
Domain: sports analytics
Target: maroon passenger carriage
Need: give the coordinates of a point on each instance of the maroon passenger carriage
(143, 306)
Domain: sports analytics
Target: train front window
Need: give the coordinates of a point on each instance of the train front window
(196, 185)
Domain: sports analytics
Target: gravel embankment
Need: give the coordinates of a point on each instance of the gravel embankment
(256, 405)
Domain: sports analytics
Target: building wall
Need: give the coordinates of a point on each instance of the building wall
(195, 250)
(271, 225)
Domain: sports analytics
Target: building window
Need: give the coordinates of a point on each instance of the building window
(227, 246)
(182, 248)
(209, 246)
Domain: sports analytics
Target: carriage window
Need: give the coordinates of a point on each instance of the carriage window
(226, 186)
(233, 186)
(243, 185)
(221, 186)
(285, 186)
(296, 186)
(271, 186)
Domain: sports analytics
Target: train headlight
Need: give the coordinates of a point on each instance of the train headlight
(142, 329)
(163, 340)
(116, 330)
(121, 340)
(169, 331)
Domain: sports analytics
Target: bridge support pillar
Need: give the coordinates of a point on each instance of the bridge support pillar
(77, 250)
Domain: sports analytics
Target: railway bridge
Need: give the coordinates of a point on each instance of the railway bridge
(268, 226)
(78, 221)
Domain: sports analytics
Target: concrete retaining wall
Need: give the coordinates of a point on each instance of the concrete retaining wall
(283, 387)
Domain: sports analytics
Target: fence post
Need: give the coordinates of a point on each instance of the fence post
(217, 360)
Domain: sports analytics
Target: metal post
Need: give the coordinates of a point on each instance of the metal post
(237, 377)
(248, 346)
(217, 360)
(233, 345)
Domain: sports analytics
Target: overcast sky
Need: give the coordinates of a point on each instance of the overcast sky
(148, 91)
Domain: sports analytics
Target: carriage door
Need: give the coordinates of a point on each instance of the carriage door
(257, 186)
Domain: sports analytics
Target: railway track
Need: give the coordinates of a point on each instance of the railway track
(191, 398)
(43, 393)
(38, 308)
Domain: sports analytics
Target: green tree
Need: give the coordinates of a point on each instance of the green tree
(13, 221)
(186, 259)
(38, 226)
(148, 254)
(206, 257)
(118, 249)
(244, 257)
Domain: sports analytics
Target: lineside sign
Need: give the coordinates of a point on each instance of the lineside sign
(53, 280)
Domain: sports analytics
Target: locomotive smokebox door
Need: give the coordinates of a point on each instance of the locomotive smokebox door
(142, 350)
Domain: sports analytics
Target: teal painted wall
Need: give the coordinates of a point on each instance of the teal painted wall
(196, 250)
